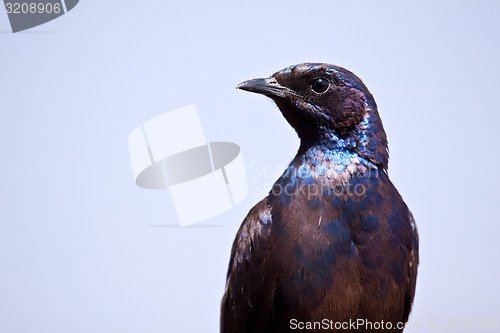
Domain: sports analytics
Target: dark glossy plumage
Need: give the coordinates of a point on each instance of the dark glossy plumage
(333, 240)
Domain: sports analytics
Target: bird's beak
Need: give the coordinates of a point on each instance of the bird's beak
(269, 87)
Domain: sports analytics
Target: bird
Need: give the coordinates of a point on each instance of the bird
(333, 246)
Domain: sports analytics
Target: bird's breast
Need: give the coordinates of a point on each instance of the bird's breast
(338, 221)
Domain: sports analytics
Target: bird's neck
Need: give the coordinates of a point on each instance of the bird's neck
(321, 162)
(321, 171)
(367, 139)
(328, 139)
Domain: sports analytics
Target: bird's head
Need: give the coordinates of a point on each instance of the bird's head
(327, 105)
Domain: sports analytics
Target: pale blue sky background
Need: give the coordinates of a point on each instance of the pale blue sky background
(79, 250)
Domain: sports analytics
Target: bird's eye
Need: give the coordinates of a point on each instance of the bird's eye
(320, 85)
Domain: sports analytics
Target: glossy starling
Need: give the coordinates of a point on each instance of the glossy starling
(333, 247)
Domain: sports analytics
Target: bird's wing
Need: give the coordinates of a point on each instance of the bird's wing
(248, 298)
(412, 270)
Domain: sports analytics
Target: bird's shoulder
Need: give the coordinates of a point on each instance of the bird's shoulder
(249, 293)
(253, 234)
